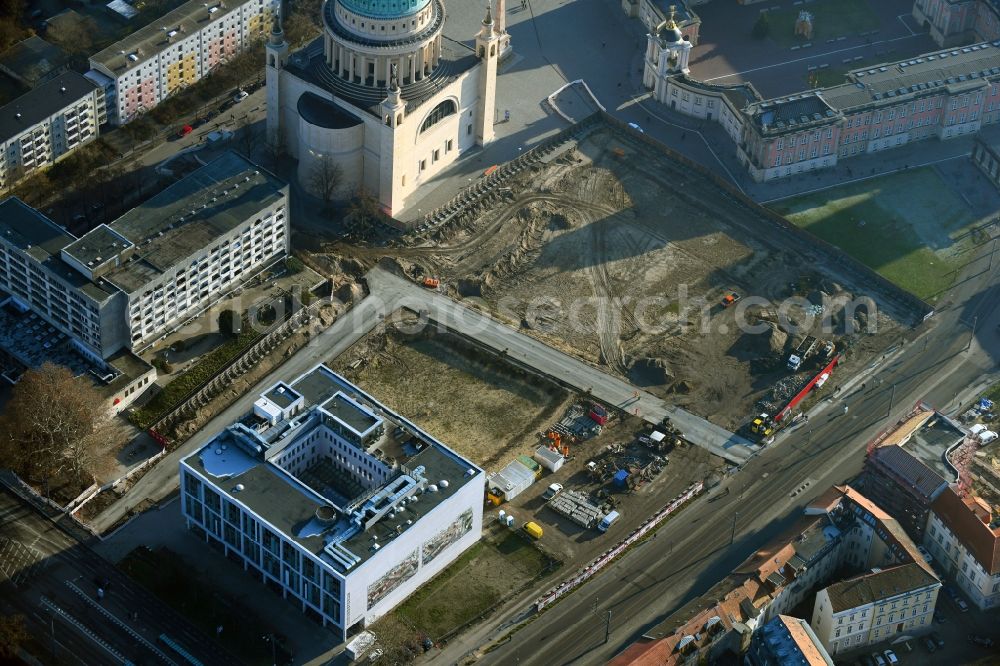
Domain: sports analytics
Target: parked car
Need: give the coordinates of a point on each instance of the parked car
(879, 659)
(240, 96)
(936, 637)
(981, 640)
(962, 606)
(930, 644)
(939, 617)
(636, 127)
(553, 490)
(891, 657)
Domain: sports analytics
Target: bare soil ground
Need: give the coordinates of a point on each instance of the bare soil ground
(479, 406)
(617, 254)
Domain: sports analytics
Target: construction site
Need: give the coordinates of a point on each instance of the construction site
(604, 246)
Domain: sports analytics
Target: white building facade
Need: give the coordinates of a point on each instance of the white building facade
(44, 125)
(175, 51)
(124, 285)
(302, 495)
(383, 96)
(964, 539)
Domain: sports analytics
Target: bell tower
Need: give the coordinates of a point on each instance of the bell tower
(276, 53)
(488, 52)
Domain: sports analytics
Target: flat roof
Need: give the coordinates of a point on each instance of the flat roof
(930, 443)
(33, 58)
(350, 413)
(148, 41)
(98, 244)
(282, 395)
(42, 102)
(186, 217)
(239, 456)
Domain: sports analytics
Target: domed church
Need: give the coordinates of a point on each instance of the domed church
(383, 94)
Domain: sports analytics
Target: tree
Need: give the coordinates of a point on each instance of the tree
(230, 323)
(13, 634)
(762, 27)
(274, 151)
(65, 434)
(324, 179)
(250, 139)
(363, 212)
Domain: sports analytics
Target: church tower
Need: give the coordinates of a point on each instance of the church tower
(488, 51)
(675, 49)
(277, 57)
(393, 147)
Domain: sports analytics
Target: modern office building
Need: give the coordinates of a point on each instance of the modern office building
(175, 51)
(47, 123)
(384, 96)
(126, 284)
(333, 500)
(963, 536)
(787, 640)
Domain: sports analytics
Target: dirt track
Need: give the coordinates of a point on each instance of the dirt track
(620, 256)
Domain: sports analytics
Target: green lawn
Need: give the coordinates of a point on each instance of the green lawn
(831, 19)
(910, 227)
(477, 580)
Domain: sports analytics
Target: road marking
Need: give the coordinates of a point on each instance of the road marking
(82, 628)
(811, 57)
(901, 20)
(111, 616)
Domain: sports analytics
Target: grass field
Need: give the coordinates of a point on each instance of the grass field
(831, 19)
(910, 227)
(479, 579)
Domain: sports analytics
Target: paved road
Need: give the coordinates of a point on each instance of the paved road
(693, 551)
(49, 577)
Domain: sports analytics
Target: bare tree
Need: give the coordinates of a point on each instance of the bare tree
(363, 213)
(274, 151)
(324, 179)
(250, 139)
(53, 423)
(13, 635)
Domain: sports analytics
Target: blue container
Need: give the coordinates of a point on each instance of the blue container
(621, 476)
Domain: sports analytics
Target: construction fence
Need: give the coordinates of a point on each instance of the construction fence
(607, 557)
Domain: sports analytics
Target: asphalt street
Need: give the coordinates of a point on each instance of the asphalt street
(717, 532)
(52, 579)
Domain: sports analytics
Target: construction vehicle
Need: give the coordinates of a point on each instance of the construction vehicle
(803, 351)
(763, 426)
(432, 282)
(730, 299)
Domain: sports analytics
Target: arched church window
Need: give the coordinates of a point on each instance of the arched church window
(440, 112)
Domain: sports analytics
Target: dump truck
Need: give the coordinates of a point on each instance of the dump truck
(533, 529)
(803, 351)
(730, 299)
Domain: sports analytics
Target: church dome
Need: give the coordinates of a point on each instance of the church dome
(384, 9)
(672, 34)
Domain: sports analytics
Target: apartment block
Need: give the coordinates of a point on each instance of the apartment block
(963, 535)
(332, 500)
(901, 484)
(123, 285)
(874, 607)
(47, 123)
(175, 51)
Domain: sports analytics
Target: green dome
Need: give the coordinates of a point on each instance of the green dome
(384, 9)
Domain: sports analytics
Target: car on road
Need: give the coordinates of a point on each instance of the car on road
(981, 640)
(636, 127)
(891, 657)
(240, 96)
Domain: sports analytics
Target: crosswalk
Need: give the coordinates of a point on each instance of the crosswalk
(18, 562)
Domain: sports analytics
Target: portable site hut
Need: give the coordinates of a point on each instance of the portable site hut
(511, 481)
(535, 468)
(549, 459)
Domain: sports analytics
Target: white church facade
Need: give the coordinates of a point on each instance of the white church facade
(384, 95)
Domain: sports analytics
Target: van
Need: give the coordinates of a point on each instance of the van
(534, 530)
(608, 520)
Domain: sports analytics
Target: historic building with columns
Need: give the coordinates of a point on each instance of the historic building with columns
(383, 95)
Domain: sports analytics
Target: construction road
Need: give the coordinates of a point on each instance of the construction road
(387, 294)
